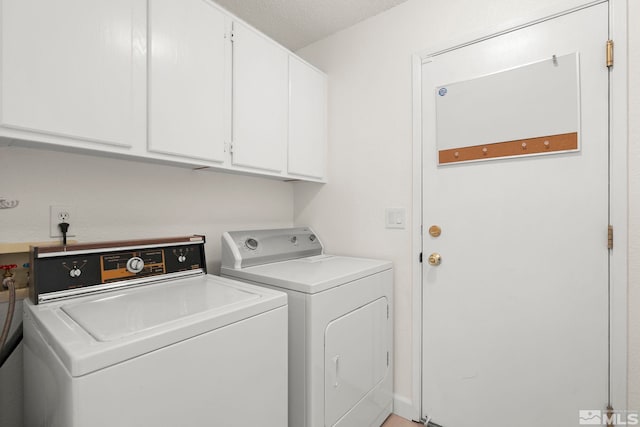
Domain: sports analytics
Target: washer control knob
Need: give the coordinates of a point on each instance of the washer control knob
(182, 258)
(135, 265)
(294, 240)
(312, 237)
(251, 243)
(75, 272)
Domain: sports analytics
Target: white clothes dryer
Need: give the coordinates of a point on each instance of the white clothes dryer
(340, 323)
(135, 334)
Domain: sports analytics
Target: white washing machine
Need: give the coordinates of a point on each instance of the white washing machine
(340, 323)
(136, 334)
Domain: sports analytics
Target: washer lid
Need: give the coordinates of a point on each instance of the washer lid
(97, 331)
(112, 317)
(310, 275)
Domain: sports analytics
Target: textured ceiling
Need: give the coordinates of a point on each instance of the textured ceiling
(297, 23)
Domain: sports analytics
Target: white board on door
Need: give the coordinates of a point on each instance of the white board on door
(477, 119)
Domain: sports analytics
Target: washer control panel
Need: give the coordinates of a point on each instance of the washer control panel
(136, 263)
(82, 269)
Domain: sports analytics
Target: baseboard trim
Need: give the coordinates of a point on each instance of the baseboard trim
(404, 408)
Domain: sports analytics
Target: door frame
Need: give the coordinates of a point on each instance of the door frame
(618, 203)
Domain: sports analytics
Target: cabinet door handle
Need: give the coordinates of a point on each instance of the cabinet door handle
(336, 364)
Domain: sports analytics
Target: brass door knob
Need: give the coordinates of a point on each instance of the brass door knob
(435, 259)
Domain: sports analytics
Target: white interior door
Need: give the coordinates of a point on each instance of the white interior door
(515, 317)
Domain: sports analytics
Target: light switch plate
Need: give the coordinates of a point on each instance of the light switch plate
(395, 217)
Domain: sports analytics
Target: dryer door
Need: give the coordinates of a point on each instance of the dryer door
(356, 357)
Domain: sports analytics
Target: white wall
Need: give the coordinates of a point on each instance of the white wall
(119, 199)
(370, 139)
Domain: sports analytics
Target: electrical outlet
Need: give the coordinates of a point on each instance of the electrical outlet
(58, 214)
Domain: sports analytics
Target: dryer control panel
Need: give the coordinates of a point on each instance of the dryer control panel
(61, 272)
(242, 249)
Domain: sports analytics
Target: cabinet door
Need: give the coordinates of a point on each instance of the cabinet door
(260, 89)
(188, 112)
(307, 120)
(75, 68)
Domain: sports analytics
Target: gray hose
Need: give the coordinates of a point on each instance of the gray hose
(11, 345)
(12, 306)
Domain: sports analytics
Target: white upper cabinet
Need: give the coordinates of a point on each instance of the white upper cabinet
(189, 93)
(176, 81)
(307, 120)
(260, 89)
(75, 68)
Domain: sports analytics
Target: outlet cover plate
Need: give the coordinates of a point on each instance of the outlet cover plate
(56, 212)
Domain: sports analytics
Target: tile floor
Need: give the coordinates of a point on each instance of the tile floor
(396, 421)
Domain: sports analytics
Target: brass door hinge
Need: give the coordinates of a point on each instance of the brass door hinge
(610, 237)
(609, 53)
